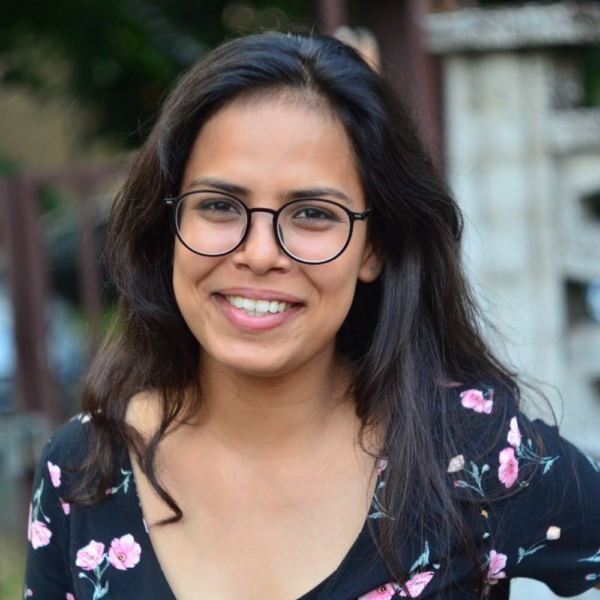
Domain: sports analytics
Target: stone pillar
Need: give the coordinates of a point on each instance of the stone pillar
(522, 156)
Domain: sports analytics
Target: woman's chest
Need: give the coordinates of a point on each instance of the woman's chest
(255, 554)
(264, 534)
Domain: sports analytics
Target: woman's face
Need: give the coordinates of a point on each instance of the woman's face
(271, 148)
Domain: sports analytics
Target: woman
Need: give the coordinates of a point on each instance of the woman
(296, 401)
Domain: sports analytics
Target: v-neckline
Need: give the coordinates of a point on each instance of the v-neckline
(353, 552)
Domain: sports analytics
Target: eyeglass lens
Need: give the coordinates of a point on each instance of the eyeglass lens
(311, 230)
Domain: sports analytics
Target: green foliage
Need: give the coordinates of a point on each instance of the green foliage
(8, 166)
(52, 200)
(120, 57)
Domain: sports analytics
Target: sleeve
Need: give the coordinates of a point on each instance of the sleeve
(47, 572)
(549, 530)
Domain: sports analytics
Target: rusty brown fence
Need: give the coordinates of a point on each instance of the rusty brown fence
(27, 270)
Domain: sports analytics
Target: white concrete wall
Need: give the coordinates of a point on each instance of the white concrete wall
(496, 107)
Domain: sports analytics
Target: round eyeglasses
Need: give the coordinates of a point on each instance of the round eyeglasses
(309, 230)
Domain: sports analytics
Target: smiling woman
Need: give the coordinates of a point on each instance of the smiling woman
(297, 403)
(271, 150)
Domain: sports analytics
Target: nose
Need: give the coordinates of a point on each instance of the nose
(260, 251)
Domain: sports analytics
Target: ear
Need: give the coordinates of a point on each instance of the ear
(372, 262)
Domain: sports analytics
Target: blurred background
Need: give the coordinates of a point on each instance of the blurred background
(507, 96)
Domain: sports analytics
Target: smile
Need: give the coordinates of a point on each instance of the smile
(258, 308)
(255, 315)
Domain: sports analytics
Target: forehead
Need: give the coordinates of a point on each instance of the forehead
(271, 144)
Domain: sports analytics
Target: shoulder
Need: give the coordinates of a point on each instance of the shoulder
(55, 478)
(68, 444)
(78, 454)
(478, 414)
(529, 494)
(143, 412)
(495, 447)
(500, 450)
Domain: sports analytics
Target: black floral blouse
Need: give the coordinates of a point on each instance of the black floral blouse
(549, 530)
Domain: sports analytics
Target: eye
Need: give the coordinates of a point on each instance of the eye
(204, 207)
(218, 205)
(314, 213)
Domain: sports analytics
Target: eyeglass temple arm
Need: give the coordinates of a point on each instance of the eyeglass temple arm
(362, 216)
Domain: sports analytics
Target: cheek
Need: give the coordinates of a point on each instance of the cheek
(189, 272)
(183, 273)
(337, 285)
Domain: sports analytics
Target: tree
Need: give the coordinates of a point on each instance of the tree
(120, 57)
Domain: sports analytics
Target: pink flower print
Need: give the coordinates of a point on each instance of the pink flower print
(509, 467)
(417, 584)
(65, 506)
(70, 597)
(90, 556)
(383, 592)
(497, 563)
(29, 592)
(553, 533)
(514, 435)
(54, 474)
(39, 534)
(474, 399)
(124, 552)
(383, 462)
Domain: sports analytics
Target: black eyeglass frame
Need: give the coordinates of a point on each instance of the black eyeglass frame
(353, 216)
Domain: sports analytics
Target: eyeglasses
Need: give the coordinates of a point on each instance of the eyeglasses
(309, 230)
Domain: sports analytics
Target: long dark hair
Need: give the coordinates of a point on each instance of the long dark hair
(407, 334)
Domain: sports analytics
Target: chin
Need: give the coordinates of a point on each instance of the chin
(253, 363)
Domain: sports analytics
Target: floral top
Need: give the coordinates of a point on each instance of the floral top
(549, 530)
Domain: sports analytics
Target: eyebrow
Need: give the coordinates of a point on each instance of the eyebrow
(239, 190)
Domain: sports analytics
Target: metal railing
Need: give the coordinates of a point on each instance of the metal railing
(27, 269)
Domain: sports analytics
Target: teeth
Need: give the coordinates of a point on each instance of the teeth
(248, 304)
(262, 306)
(257, 308)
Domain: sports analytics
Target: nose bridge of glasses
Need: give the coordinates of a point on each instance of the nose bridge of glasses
(272, 226)
(271, 211)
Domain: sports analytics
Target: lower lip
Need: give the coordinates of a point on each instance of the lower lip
(242, 320)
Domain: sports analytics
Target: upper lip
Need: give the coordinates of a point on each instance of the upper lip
(262, 294)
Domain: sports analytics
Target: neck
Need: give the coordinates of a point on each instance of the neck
(267, 417)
